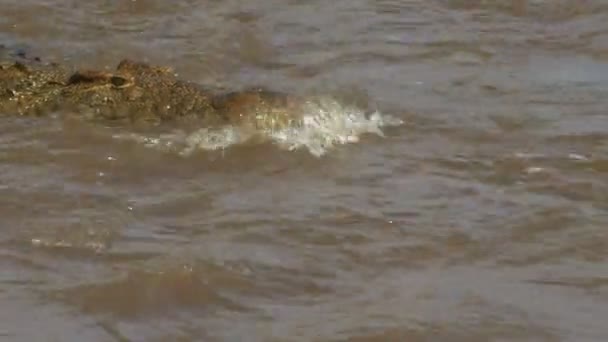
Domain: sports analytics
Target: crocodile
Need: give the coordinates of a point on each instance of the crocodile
(26, 86)
(137, 92)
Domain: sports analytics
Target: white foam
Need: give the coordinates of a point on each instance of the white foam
(327, 124)
(211, 139)
(324, 124)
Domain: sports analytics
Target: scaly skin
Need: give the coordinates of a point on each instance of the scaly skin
(138, 92)
(134, 92)
(27, 87)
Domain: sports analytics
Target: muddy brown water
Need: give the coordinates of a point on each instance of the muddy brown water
(482, 218)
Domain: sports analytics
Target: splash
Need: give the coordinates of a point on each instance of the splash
(325, 123)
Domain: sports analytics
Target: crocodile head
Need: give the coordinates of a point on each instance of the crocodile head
(139, 92)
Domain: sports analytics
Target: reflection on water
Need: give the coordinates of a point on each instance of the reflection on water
(479, 216)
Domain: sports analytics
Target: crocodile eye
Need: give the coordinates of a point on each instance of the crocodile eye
(119, 81)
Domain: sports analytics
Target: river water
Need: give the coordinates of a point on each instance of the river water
(473, 206)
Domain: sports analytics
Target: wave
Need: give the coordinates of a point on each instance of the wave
(325, 123)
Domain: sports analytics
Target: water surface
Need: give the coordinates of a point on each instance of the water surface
(481, 218)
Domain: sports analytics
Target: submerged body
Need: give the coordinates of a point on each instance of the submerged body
(137, 92)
